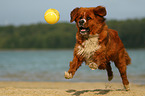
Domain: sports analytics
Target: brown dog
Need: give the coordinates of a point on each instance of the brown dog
(96, 45)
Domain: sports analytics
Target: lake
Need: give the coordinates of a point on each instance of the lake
(50, 65)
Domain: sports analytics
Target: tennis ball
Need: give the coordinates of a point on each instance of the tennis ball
(51, 16)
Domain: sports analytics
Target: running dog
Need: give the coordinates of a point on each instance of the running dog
(97, 45)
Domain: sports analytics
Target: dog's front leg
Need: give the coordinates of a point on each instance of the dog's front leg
(74, 65)
(100, 57)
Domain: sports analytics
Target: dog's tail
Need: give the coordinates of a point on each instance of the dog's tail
(128, 59)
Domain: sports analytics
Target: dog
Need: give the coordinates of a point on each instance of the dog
(97, 45)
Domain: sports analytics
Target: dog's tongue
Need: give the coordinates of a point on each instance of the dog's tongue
(83, 29)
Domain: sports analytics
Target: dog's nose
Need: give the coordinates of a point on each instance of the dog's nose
(81, 22)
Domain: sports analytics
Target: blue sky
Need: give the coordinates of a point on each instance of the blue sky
(19, 12)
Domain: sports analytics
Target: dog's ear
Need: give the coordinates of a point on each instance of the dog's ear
(73, 14)
(101, 11)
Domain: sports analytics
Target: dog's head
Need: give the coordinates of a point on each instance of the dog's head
(88, 20)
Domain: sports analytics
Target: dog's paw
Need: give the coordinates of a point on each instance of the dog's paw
(68, 75)
(93, 66)
(126, 87)
(110, 78)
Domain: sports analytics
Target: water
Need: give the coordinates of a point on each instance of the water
(50, 65)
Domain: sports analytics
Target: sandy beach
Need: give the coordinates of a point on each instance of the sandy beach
(69, 89)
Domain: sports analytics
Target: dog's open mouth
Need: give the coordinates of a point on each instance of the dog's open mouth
(84, 31)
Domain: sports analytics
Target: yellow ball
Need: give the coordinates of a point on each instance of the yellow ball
(51, 16)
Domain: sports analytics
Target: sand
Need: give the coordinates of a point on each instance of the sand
(69, 89)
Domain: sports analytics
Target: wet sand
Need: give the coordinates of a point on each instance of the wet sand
(69, 89)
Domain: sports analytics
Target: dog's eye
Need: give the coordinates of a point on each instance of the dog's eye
(88, 18)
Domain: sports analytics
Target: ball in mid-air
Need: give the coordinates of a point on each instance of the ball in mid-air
(51, 16)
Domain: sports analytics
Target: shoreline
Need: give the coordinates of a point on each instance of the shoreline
(8, 88)
(49, 49)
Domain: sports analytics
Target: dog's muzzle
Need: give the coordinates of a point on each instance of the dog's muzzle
(83, 30)
(82, 22)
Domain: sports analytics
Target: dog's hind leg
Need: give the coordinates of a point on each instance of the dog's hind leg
(109, 71)
(121, 65)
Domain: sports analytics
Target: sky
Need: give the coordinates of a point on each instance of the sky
(19, 12)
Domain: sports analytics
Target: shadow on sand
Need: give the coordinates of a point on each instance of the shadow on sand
(98, 91)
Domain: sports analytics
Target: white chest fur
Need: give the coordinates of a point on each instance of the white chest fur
(88, 48)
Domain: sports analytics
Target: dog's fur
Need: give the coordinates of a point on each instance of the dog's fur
(96, 45)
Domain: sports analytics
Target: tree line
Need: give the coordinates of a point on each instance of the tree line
(62, 35)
